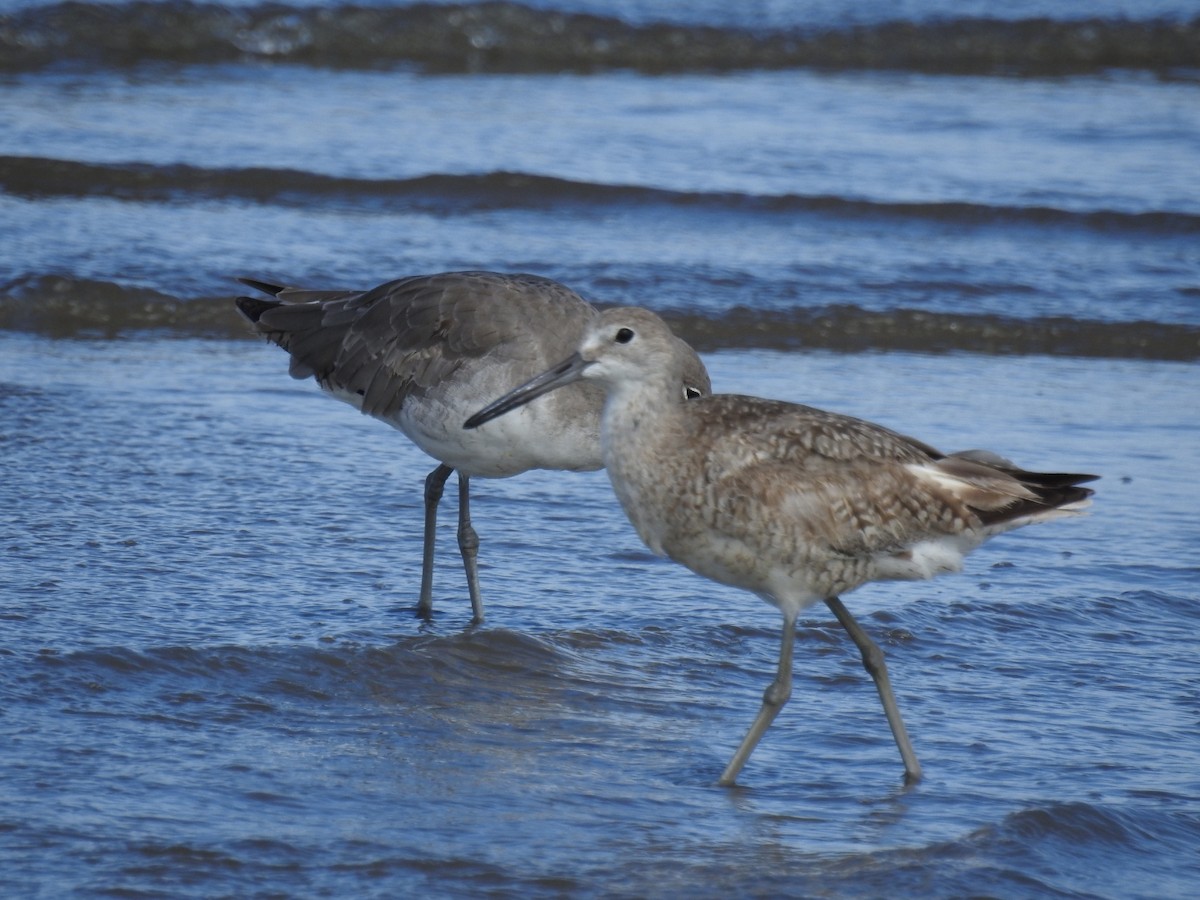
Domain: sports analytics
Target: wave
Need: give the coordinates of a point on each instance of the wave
(1055, 849)
(257, 678)
(510, 37)
(63, 306)
(852, 329)
(494, 648)
(39, 177)
(238, 680)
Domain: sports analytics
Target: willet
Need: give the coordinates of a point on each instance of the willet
(793, 503)
(422, 353)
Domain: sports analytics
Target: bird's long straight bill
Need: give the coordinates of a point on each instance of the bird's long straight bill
(570, 369)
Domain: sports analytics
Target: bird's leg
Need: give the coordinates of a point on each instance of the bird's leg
(872, 658)
(773, 700)
(468, 545)
(435, 481)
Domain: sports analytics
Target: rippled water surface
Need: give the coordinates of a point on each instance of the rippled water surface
(214, 680)
(980, 231)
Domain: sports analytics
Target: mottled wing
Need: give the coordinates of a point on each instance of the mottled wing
(749, 430)
(858, 488)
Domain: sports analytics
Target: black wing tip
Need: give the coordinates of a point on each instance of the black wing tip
(266, 287)
(1062, 495)
(1060, 489)
(253, 308)
(1065, 479)
(1045, 499)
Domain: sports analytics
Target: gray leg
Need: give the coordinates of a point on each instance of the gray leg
(468, 545)
(773, 700)
(434, 482)
(872, 658)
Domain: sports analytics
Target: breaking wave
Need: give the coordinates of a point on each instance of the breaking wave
(64, 306)
(511, 37)
(37, 177)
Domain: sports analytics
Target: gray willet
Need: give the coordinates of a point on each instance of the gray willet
(793, 503)
(422, 353)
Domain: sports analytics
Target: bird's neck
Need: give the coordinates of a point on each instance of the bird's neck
(640, 426)
(640, 413)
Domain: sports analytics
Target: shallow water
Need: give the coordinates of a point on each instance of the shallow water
(212, 679)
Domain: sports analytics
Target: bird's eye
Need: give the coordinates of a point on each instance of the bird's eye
(691, 393)
(624, 335)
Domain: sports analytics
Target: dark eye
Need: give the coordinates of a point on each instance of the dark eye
(690, 393)
(624, 336)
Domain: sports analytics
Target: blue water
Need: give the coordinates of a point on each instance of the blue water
(214, 681)
(212, 678)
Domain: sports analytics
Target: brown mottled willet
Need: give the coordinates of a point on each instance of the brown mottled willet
(422, 353)
(793, 503)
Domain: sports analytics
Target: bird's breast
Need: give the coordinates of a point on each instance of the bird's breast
(536, 436)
